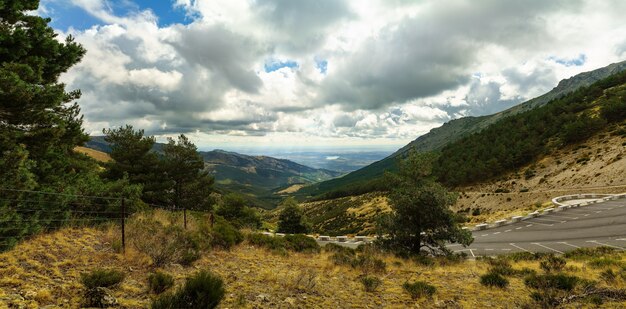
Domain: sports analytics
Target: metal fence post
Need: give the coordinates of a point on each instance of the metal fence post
(123, 228)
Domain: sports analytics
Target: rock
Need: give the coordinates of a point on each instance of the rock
(263, 297)
(99, 297)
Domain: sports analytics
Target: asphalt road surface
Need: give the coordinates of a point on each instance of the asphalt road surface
(602, 224)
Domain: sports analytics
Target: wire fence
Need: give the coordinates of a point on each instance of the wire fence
(25, 213)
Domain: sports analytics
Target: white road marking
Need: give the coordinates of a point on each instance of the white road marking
(572, 218)
(598, 211)
(507, 231)
(540, 245)
(472, 252)
(624, 239)
(540, 223)
(529, 225)
(519, 228)
(549, 220)
(483, 235)
(564, 243)
(454, 245)
(603, 244)
(505, 249)
(518, 247)
(587, 215)
(496, 233)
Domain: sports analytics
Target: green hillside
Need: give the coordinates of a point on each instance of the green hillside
(364, 180)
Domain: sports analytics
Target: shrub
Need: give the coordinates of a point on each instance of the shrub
(493, 279)
(419, 289)
(525, 256)
(260, 240)
(291, 218)
(368, 263)
(551, 281)
(159, 282)
(370, 283)
(476, 212)
(343, 258)
(164, 243)
(552, 263)
(584, 253)
(423, 260)
(189, 256)
(500, 266)
(604, 262)
(102, 278)
(225, 235)
(608, 276)
(203, 290)
(302, 243)
(331, 247)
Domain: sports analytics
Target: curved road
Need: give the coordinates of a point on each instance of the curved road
(602, 224)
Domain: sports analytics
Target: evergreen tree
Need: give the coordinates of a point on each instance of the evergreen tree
(133, 158)
(233, 208)
(421, 217)
(184, 167)
(35, 111)
(291, 219)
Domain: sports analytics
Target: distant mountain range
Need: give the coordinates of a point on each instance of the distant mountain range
(256, 176)
(453, 130)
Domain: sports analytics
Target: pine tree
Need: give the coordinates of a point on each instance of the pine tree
(291, 219)
(421, 217)
(133, 158)
(184, 167)
(35, 109)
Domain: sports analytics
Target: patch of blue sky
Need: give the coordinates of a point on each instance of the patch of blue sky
(322, 65)
(274, 65)
(165, 11)
(578, 61)
(65, 14)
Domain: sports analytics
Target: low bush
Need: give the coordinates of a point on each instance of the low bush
(163, 243)
(608, 276)
(225, 235)
(500, 266)
(419, 289)
(102, 278)
(297, 243)
(604, 262)
(423, 260)
(526, 256)
(302, 243)
(587, 253)
(493, 279)
(331, 247)
(552, 263)
(551, 281)
(202, 290)
(369, 263)
(370, 283)
(159, 282)
(272, 243)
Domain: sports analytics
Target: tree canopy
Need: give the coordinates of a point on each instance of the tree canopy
(420, 216)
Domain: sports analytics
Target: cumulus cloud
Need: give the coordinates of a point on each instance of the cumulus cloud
(339, 70)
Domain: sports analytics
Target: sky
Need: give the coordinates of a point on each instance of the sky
(305, 74)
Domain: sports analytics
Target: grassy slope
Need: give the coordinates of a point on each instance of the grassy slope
(45, 271)
(95, 154)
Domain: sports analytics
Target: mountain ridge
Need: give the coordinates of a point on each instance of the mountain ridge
(455, 129)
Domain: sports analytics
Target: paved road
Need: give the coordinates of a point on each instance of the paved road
(602, 224)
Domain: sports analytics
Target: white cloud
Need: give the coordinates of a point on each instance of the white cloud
(395, 69)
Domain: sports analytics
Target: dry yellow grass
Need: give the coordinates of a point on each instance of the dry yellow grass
(45, 271)
(95, 154)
